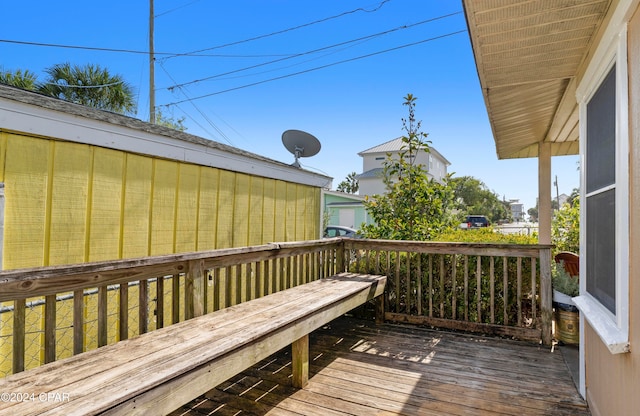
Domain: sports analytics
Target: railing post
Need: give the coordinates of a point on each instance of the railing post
(194, 289)
(546, 311)
(341, 254)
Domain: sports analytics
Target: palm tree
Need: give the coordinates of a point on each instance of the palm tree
(26, 80)
(89, 85)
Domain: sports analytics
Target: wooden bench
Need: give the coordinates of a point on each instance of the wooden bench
(157, 372)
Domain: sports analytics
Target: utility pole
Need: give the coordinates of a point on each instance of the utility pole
(152, 87)
(557, 192)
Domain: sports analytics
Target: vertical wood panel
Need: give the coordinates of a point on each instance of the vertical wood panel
(106, 201)
(240, 231)
(163, 206)
(291, 219)
(255, 215)
(227, 185)
(187, 204)
(26, 167)
(268, 211)
(281, 223)
(137, 194)
(69, 192)
(208, 212)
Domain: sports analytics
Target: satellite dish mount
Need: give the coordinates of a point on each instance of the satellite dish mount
(300, 144)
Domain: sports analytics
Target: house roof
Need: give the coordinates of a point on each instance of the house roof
(528, 57)
(396, 145)
(32, 113)
(373, 173)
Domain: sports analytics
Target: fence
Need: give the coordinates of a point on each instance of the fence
(53, 312)
(49, 313)
(501, 289)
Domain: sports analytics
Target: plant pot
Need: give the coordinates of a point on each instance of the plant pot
(567, 320)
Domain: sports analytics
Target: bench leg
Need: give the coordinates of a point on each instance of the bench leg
(300, 362)
(379, 309)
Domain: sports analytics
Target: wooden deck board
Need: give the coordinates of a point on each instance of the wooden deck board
(362, 369)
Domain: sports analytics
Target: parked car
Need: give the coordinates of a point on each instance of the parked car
(475, 221)
(340, 231)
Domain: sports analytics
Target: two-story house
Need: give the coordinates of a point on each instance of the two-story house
(370, 180)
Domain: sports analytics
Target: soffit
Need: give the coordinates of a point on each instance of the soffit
(527, 56)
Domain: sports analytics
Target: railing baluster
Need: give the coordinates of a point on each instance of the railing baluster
(492, 289)
(19, 310)
(397, 279)
(78, 321)
(216, 289)
(479, 288)
(466, 287)
(430, 285)
(505, 288)
(175, 299)
(50, 328)
(454, 287)
(143, 307)
(419, 283)
(519, 288)
(441, 289)
(102, 316)
(123, 311)
(534, 312)
(160, 302)
(407, 280)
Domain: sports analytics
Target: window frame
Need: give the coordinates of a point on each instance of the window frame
(612, 328)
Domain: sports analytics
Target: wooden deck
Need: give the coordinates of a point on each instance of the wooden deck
(361, 369)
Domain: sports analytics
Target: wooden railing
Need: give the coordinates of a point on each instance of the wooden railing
(53, 312)
(501, 289)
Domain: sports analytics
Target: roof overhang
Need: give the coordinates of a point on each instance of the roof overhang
(529, 55)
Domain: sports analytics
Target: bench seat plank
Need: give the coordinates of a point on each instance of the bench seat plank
(161, 370)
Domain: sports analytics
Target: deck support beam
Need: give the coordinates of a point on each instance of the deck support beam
(300, 362)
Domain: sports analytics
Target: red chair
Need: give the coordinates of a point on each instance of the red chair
(571, 262)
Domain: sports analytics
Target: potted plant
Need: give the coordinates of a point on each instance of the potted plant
(565, 287)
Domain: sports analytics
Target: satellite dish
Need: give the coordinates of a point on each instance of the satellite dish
(300, 144)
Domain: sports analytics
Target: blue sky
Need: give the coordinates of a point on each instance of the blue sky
(342, 79)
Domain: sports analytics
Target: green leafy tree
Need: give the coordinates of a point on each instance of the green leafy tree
(170, 121)
(474, 198)
(349, 185)
(89, 85)
(565, 228)
(22, 79)
(414, 207)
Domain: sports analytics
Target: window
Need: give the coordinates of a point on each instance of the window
(601, 193)
(604, 222)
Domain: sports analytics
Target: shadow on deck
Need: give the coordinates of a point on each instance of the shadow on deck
(362, 369)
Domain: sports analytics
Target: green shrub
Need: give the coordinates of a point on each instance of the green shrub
(485, 235)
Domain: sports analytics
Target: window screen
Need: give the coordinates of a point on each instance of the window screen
(601, 135)
(601, 248)
(601, 193)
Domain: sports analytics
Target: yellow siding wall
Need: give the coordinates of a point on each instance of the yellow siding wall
(72, 203)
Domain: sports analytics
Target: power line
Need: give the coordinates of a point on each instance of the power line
(378, 7)
(320, 67)
(176, 8)
(386, 32)
(211, 123)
